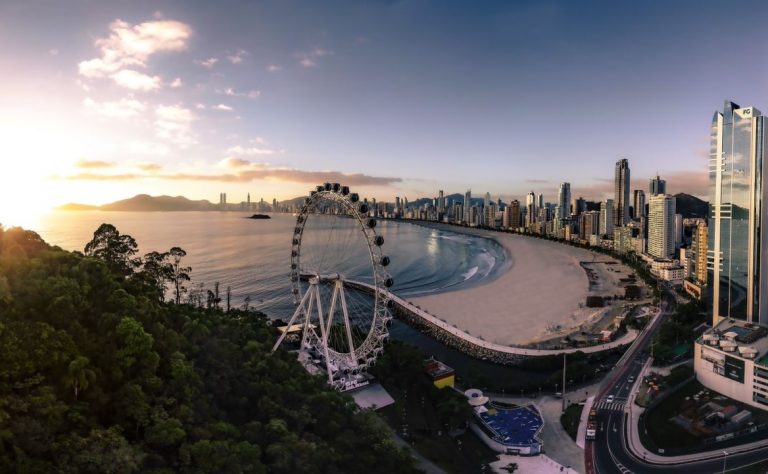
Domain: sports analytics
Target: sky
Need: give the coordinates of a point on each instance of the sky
(103, 100)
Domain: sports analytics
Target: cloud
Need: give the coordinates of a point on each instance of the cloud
(148, 166)
(174, 123)
(122, 109)
(91, 164)
(274, 68)
(207, 63)
(223, 108)
(237, 56)
(53, 52)
(136, 81)
(248, 172)
(250, 151)
(537, 181)
(132, 45)
(200, 106)
(176, 83)
(236, 163)
(252, 94)
(309, 58)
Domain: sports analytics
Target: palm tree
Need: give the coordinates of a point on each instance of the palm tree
(79, 376)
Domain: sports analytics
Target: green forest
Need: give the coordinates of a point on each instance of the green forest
(111, 364)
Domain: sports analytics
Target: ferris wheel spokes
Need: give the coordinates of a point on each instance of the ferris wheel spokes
(334, 233)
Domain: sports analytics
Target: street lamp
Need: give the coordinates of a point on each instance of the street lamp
(725, 458)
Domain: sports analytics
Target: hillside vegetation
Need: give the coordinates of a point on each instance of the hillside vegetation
(100, 374)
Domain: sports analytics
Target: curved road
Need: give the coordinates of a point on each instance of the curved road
(609, 452)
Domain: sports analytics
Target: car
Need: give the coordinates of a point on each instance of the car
(631, 378)
(609, 399)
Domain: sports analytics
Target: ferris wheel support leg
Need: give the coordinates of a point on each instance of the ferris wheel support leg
(324, 335)
(333, 305)
(343, 296)
(308, 315)
(296, 313)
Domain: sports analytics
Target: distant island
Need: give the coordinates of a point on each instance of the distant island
(259, 216)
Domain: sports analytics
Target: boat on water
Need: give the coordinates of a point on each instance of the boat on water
(259, 216)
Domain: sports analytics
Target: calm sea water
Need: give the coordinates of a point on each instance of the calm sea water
(253, 256)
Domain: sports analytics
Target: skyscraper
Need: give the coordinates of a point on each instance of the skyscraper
(661, 226)
(514, 214)
(530, 208)
(700, 243)
(440, 202)
(621, 192)
(579, 206)
(737, 191)
(607, 218)
(638, 204)
(564, 201)
(467, 206)
(657, 186)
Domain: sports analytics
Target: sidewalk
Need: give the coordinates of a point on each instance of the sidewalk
(534, 465)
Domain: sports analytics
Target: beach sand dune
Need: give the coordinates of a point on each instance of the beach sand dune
(543, 286)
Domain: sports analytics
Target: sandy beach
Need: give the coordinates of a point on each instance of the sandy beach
(540, 286)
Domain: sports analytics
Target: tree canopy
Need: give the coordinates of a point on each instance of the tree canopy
(101, 374)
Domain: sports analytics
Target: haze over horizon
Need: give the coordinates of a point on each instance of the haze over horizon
(105, 101)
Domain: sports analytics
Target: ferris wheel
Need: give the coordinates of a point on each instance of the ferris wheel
(340, 287)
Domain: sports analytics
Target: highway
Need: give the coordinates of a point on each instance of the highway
(609, 453)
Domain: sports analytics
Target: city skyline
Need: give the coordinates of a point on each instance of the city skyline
(180, 99)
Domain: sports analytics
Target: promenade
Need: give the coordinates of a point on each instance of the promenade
(475, 346)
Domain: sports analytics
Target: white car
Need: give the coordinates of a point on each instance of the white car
(609, 399)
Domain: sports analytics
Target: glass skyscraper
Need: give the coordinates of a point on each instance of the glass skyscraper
(737, 246)
(621, 193)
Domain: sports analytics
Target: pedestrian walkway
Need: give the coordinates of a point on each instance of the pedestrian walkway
(613, 406)
(530, 465)
(474, 345)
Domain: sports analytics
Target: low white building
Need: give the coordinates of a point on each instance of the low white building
(732, 359)
(675, 275)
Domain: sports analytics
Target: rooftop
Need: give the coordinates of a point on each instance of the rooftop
(436, 369)
(739, 337)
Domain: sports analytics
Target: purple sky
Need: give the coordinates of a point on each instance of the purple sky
(103, 100)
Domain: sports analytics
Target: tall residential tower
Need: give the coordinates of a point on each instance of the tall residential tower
(621, 192)
(738, 249)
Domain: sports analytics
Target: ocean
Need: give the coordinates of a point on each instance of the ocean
(253, 258)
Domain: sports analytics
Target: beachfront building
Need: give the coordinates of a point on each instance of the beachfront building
(607, 218)
(530, 209)
(589, 224)
(515, 220)
(621, 192)
(466, 219)
(622, 239)
(638, 204)
(564, 201)
(737, 196)
(732, 357)
(661, 226)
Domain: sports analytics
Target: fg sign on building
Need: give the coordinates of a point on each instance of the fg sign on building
(734, 369)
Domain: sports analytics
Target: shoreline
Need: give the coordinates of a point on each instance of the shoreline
(513, 305)
(498, 268)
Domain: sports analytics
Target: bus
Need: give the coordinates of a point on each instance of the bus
(591, 431)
